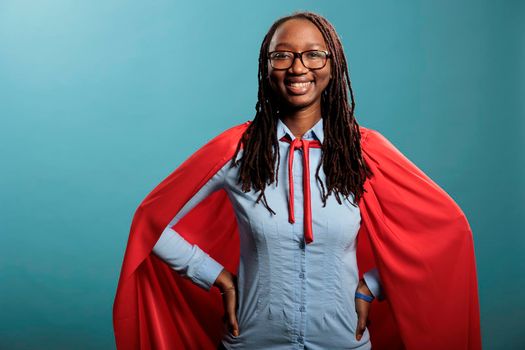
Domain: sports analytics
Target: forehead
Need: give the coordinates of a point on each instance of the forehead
(297, 34)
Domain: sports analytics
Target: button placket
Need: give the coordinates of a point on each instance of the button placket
(302, 279)
(296, 166)
(299, 223)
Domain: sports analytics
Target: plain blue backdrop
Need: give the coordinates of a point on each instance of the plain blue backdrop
(101, 100)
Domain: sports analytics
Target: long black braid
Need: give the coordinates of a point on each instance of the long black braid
(343, 164)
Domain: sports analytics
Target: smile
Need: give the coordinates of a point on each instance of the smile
(298, 88)
(306, 84)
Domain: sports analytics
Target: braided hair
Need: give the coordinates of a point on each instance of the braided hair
(343, 164)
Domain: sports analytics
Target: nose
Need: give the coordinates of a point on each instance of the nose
(298, 66)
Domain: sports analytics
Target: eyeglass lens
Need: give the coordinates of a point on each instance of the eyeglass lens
(311, 59)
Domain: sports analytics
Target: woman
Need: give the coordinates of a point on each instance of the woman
(294, 280)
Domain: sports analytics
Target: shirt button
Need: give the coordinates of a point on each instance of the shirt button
(301, 308)
(301, 244)
(301, 275)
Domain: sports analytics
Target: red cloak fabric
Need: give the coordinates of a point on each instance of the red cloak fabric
(411, 230)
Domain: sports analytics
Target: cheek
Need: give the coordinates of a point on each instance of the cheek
(275, 80)
(274, 75)
(323, 80)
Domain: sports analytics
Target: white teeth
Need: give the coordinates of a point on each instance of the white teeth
(300, 84)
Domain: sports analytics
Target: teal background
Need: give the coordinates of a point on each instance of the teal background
(101, 100)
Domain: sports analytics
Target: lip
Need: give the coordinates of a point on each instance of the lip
(297, 80)
(298, 90)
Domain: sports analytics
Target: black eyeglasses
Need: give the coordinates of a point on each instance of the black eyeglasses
(311, 59)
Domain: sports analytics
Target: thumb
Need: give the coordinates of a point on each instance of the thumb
(232, 315)
(361, 325)
(361, 307)
(234, 325)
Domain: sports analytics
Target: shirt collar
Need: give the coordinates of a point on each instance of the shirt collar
(315, 132)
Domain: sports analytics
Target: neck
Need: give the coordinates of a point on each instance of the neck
(300, 121)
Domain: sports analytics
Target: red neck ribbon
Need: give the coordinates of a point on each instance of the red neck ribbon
(305, 145)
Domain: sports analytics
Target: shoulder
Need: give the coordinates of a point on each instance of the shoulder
(218, 149)
(372, 135)
(368, 134)
(232, 133)
(226, 141)
(374, 142)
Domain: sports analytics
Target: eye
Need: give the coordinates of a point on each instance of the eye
(281, 55)
(315, 54)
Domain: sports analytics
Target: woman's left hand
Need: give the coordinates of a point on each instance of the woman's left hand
(362, 307)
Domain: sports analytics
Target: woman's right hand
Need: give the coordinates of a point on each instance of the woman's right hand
(227, 284)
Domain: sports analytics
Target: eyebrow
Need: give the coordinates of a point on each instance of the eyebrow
(307, 44)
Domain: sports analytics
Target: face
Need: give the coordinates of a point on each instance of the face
(298, 35)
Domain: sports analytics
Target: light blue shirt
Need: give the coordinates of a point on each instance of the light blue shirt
(292, 295)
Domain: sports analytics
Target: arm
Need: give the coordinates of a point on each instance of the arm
(369, 285)
(188, 259)
(422, 245)
(373, 283)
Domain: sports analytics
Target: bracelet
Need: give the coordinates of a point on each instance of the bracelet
(364, 297)
(227, 289)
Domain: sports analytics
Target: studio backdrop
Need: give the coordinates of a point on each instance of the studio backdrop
(101, 100)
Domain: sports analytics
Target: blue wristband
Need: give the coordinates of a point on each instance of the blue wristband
(364, 297)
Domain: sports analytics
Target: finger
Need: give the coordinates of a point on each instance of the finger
(362, 308)
(361, 326)
(232, 314)
(235, 327)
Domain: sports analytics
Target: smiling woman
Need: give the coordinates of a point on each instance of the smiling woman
(298, 83)
(291, 276)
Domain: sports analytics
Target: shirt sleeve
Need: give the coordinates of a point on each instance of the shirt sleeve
(189, 260)
(373, 282)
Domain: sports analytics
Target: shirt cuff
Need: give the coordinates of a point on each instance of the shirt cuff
(207, 272)
(373, 282)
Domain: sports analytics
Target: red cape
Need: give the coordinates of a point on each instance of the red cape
(411, 230)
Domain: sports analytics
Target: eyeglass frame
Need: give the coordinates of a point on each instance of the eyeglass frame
(300, 55)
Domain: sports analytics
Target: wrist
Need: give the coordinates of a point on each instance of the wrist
(362, 287)
(224, 281)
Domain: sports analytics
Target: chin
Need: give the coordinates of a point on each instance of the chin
(298, 101)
